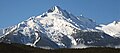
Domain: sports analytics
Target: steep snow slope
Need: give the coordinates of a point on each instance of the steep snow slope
(51, 29)
(111, 29)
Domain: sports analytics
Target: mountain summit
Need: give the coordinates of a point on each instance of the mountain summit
(55, 9)
(55, 28)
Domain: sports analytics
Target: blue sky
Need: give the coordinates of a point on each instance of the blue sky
(14, 11)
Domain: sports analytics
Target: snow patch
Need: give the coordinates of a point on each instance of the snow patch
(79, 46)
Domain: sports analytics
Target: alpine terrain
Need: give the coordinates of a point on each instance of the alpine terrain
(57, 28)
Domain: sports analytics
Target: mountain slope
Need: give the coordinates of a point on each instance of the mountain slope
(57, 28)
(54, 27)
(111, 29)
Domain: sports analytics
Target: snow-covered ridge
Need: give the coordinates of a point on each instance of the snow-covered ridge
(111, 29)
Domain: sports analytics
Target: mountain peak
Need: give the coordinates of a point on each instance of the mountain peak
(53, 28)
(55, 9)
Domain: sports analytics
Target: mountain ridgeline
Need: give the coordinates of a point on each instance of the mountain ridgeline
(57, 28)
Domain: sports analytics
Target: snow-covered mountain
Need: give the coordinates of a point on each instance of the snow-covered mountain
(112, 29)
(57, 28)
